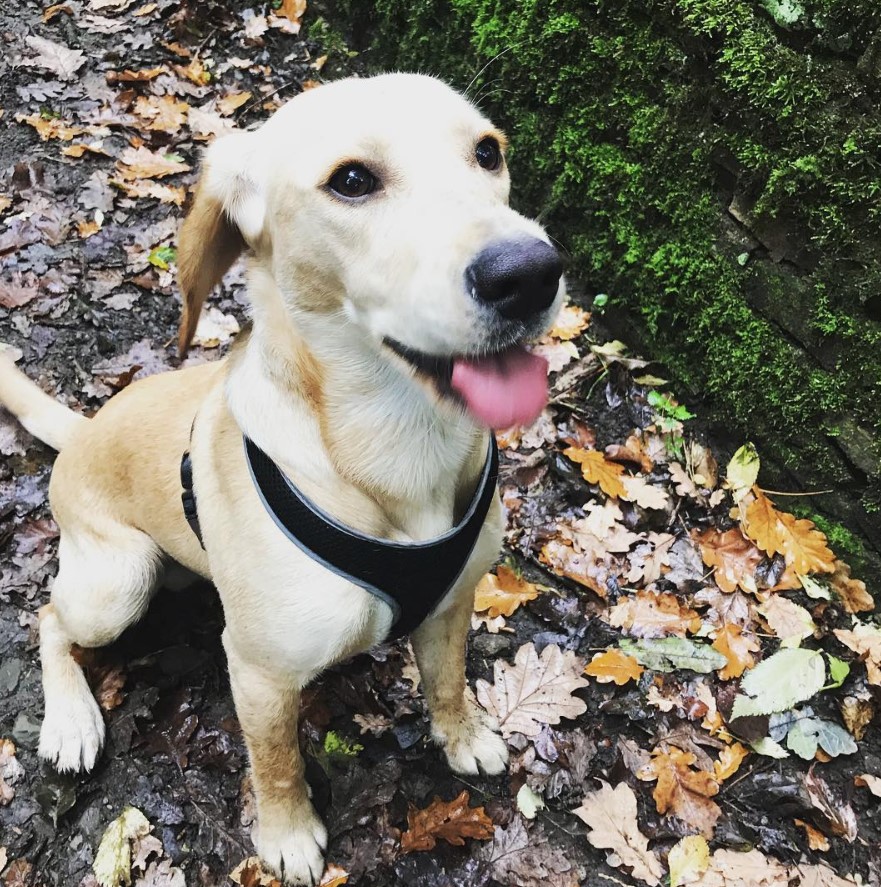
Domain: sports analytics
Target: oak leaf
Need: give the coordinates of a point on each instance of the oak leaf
(570, 322)
(614, 665)
(730, 759)
(865, 641)
(564, 560)
(650, 614)
(610, 814)
(162, 113)
(51, 127)
(534, 691)
(851, 592)
(734, 557)
(142, 163)
(452, 821)
(682, 791)
(527, 859)
(802, 545)
(644, 494)
(688, 859)
(130, 76)
(789, 622)
(737, 648)
(232, 101)
(61, 60)
(596, 469)
(503, 592)
(730, 868)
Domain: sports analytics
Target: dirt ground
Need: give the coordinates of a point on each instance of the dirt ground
(87, 305)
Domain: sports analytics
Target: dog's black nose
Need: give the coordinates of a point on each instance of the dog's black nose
(518, 278)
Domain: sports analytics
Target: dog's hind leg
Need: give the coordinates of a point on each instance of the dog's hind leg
(101, 588)
(458, 724)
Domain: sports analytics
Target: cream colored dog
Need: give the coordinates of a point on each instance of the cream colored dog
(391, 288)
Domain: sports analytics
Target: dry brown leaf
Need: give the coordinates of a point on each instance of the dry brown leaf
(87, 228)
(857, 711)
(11, 771)
(610, 814)
(683, 791)
(49, 13)
(142, 163)
(81, 148)
(596, 469)
(872, 783)
(146, 9)
(452, 821)
(108, 687)
(534, 691)
(51, 127)
(730, 868)
(194, 72)
(647, 562)
(865, 640)
(737, 648)
(650, 614)
(730, 759)
(503, 592)
(136, 188)
(644, 494)
(734, 557)
(778, 532)
(851, 592)
(163, 113)
(816, 839)
(564, 560)
(632, 451)
(786, 619)
(572, 321)
(231, 102)
(614, 665)
(129, 76)
(61, 60)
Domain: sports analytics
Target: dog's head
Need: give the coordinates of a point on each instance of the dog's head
(386, 199)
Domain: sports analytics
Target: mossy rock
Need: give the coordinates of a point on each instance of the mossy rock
(714, 166)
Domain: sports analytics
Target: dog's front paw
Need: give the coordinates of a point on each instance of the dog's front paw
(471, 742)
(72, 733)
(295, 854)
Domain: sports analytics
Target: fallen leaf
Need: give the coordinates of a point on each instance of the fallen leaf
(142, 163)
(670, 654)
(651, 614)
(51, 127)
(838, 816)
(232, 101)
(113, 861)
(865, 641)
(452, 821)
(737, 648)
(162, 113)
(11, 771)
(734, 557)
(790, 676)
(527, 859)
(851, 592)
(857, 712)
(82, 148)
(613, 665)
(730, 868)
(49, 13)
(789, 622)
(141, 76)
(816, 839)
(872, 783)
(596, 469)
(683, 791)
(688, 859)
(742, 471)
(644, 494)
(61, 60)
(564, 560)
(175, 194)
(503, 592)
(161, 873)
(730, 759)
(534, 691)
(528, 802)
(215, 328)
(610, 815)
(570, 322)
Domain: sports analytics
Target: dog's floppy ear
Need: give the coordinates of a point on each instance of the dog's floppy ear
(226, 216)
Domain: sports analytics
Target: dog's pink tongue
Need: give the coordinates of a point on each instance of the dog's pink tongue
(504, 389)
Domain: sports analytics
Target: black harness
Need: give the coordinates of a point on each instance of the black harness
(411, 577)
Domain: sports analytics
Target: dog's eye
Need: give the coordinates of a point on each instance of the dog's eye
(352, 180)
(488, 153)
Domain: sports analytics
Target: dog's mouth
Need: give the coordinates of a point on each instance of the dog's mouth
(501, 389)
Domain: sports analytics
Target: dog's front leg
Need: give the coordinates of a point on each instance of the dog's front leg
(290, 837)
(458, 724)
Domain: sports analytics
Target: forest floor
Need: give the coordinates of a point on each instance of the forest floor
(646, 596)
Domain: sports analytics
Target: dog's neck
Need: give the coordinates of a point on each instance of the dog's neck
(336, 414)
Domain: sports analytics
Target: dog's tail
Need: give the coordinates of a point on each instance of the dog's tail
(43, 416)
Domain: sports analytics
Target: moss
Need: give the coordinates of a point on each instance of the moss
(635, 124)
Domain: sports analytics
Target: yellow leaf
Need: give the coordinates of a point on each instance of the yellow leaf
(614, 665)
(500, 594)
(231, 102)
(730, 759)
(596, 469)
(113, 861)
(688, 859)
(737, 648)
(570, 322)
(292, 10)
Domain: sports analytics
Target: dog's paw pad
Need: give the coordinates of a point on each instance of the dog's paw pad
(297, 855)
(472, 744)
(72, 734)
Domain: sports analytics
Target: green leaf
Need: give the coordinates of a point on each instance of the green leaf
(809, 733)
(669, 654)
(336, 746)
(769, 748)
(802, 740)
(600, 300)
(788, 677)
(838, 671)
(742, 471)
(162, 256)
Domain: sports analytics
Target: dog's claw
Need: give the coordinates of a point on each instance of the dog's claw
(472, 744)
(297, 855)
(72, 734)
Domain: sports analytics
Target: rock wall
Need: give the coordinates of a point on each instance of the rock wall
(714, 166)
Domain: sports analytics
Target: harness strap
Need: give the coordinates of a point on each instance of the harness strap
(188, 497)
(412, 578)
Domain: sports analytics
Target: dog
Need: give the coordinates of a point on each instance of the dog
(392, 290)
